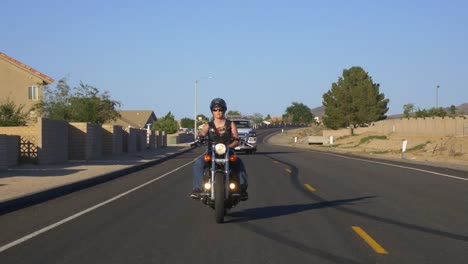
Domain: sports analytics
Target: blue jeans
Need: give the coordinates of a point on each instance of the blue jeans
(198, 172)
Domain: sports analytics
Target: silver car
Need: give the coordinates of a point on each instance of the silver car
(247, 136)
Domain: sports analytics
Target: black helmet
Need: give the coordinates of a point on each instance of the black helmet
(218, 102)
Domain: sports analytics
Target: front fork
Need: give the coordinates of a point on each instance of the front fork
(226, 176)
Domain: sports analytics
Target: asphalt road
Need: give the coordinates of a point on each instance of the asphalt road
(304, 207)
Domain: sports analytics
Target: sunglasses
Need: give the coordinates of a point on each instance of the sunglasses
(217, 110)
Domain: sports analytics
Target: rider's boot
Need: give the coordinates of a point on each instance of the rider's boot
(244, 194)
(196, 194)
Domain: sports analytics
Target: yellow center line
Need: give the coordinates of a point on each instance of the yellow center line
(308, 186)
(371, 242)
(288, 171)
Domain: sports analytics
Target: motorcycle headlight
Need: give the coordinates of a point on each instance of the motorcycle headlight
(220, 149)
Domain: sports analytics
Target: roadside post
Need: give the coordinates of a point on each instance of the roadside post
(331, 140)
(403, 148)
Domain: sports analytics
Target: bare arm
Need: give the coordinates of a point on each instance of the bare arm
(235, 135)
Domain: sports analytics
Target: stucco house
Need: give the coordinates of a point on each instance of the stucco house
(134, 118)
(20, 83)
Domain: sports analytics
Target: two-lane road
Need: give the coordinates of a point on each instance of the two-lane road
(304, 207)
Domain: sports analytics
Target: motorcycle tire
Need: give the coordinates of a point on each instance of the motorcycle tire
(219, 197)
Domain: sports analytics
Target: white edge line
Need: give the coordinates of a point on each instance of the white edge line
(68, 219)
(389, 164)
(371, 161)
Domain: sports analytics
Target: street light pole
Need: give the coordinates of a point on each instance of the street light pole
(437, 96)
(195, 113)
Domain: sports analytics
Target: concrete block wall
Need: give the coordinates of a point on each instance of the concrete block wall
(125, 141)
(422, 126)
(13, 149)
(3, 152)
(85, 141)
(152, 140)
(118, 139)
(93, 141)
(77, 141)
(184, 138)
(53, 141)
(9, 151)
(179, 138)
(107, 140)
(132, 140)
(159, 139)
(164, 138)
(141, 140)
(27, 134)
(20, 131)
(112, 140)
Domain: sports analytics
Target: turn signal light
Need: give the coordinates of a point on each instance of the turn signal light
(207, 158)
(232, 158)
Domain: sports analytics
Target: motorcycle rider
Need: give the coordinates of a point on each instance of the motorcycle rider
(228, 130)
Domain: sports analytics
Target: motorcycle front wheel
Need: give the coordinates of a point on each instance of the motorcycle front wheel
(219, 197)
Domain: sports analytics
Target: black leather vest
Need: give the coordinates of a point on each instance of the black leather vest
(222, 134)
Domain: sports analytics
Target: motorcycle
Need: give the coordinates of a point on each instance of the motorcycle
(198, 142)
(221, 188)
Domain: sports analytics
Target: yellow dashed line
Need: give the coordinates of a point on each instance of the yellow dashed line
(308, 186)
(288, 171)
(372, 243)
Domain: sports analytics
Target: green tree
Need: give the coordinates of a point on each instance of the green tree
(12, 115)
(55, 103)
(256, 118)
(434, 111)
(268, 117)
(87, 105)
(167, 124)
(81, 104)
(186, 122)
(452, 110)
(407, 110)
(437, 111)
(233, 113)
(354, 100)
(298, 113)
(420, 113)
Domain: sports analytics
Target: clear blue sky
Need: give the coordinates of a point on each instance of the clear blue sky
(263, 55)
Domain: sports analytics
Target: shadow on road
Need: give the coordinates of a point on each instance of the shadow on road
(281, 210)
(274, 152)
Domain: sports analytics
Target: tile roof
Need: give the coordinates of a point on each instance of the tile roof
(134, 118)
(23, 66)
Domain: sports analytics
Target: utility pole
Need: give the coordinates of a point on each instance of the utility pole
(195, 113)
(437, 96)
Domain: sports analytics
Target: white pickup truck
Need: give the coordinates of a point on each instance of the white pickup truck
(247, 136)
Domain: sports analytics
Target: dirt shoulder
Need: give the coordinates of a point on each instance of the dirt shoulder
(441, 151)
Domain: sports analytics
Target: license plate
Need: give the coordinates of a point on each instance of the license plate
(252, 140)
(237, 148)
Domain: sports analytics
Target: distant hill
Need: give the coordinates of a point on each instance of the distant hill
(318, 111)
(461, 110)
